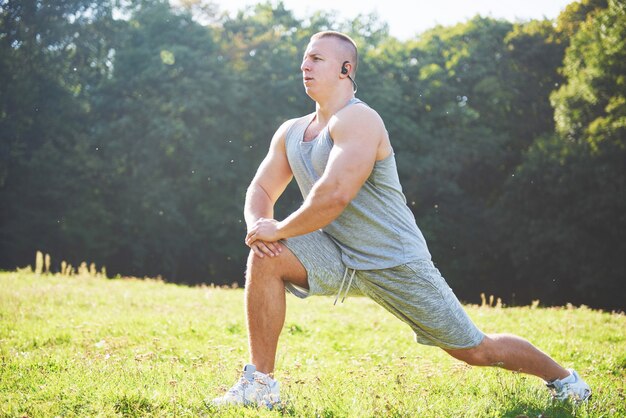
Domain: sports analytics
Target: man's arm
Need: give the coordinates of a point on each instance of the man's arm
(357, 132)
(270, 181)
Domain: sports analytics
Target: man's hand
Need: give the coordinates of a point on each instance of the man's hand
(263, 238)
(263, 248)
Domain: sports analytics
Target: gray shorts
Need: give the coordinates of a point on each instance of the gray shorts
(415, 292)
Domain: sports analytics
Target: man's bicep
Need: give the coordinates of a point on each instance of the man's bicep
(274, 173)
(349, 166)
(353, 155)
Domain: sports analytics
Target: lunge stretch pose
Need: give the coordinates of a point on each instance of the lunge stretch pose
(353, 234)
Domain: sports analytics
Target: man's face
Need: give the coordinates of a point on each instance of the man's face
(321, 65)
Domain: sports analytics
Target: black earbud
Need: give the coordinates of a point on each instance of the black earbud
(344, 70)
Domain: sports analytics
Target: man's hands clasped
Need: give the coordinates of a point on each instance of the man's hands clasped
(263, 236)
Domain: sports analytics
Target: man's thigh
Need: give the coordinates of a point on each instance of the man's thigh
(321, 259)
(417, 294)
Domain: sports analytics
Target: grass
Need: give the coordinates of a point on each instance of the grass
(86, 346)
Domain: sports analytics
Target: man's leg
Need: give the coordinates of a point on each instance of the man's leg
(512, 353)
(265, 303)
(417, 294)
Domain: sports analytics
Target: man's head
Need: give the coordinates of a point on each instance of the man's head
(347, 45)
(329, 62)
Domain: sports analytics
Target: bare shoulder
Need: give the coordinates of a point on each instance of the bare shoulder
(358, 120)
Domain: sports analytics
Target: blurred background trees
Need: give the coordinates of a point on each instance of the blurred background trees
(130, 130)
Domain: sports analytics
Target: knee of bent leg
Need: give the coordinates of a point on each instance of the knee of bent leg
(260, 268)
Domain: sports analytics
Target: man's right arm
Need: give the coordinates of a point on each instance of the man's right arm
(270, 181)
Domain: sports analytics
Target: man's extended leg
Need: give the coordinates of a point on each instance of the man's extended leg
(417, 294)
(512, 353)
(265, 303)
(515, 353)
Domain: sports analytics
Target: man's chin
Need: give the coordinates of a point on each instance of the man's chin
(310, 92)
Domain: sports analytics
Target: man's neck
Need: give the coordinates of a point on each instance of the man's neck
(324, 110)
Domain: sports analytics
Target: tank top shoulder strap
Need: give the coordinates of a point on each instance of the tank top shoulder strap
(296, 128)
(355, 100)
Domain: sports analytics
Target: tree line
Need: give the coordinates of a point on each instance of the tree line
(129, 132)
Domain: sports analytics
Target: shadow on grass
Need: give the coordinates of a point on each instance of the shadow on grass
(557, 409)
(133, 406)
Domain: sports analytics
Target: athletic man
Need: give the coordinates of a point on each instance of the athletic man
(353, 234)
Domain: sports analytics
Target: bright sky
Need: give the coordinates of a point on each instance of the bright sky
(407, 18)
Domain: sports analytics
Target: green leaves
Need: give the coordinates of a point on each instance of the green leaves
(568, 193)
(130, 141)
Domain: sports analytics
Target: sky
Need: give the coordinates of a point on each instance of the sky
(406, 18)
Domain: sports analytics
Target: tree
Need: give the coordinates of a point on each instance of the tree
(51, 57)
(130, 142)
(567, 199)
(162, 132)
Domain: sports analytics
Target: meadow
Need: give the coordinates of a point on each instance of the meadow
(85, 345)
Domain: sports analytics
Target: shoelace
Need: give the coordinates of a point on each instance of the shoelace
(240, 387)
(345, 274)
(560, 387)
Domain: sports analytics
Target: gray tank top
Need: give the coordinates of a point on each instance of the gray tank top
(376, 230)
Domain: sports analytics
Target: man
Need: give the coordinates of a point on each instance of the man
(353, 234)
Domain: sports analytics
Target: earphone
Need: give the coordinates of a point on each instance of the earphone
(344, 71)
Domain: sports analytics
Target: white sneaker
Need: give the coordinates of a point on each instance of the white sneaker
(571, 387)
(253, 388)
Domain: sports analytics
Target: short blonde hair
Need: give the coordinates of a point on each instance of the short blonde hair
(347, 41)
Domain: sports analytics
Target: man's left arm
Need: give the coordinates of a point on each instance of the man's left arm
(357, 132)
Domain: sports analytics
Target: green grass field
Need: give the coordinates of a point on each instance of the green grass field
(88, 346)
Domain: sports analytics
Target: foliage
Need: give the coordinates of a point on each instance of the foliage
(130, 130)
(568, 196)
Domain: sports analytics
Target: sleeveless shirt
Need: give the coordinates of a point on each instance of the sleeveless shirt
(376, 230)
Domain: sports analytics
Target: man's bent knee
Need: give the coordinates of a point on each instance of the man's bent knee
(285, 267)
(261, 267)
